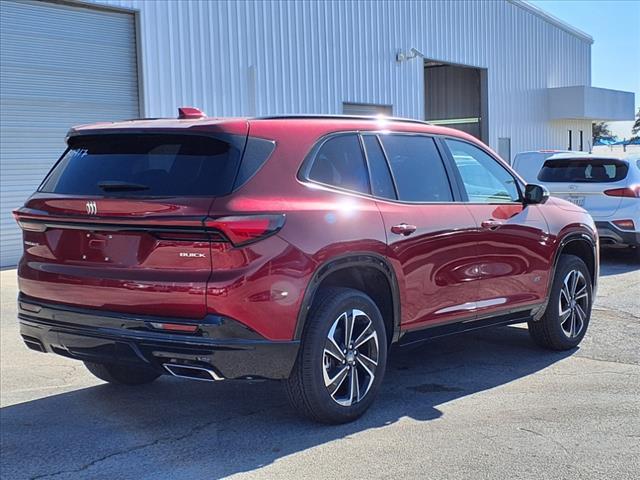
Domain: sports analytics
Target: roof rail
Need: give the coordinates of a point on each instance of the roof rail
(342, 117)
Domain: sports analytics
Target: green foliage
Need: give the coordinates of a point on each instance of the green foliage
(636, 126)
(601, 130)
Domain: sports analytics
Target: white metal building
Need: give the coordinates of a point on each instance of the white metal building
(502, 70)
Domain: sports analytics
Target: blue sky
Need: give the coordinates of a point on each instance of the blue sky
(615, 53)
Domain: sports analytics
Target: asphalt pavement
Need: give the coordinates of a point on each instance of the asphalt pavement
(484, 405)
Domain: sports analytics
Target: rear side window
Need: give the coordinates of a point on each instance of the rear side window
(381, 182)
(146, 165)
(583, 170)
(417, 168)
(339, 162)
(256, 153)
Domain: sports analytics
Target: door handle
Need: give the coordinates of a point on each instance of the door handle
(403, 229)
(491, 224)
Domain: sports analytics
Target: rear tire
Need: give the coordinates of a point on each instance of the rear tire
(120, 374)
(566, 319)
(327, 384)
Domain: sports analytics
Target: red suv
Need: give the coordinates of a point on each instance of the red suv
(292, 248)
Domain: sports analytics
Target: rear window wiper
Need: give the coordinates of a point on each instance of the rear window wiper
(114, 186)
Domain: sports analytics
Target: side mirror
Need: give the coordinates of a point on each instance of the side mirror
(535, 194)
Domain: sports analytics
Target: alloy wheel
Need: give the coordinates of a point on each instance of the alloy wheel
(350, 357)
(573, 303)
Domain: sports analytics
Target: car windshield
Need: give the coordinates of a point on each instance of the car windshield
(583, 170)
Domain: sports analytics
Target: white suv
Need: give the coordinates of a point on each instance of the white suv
(528, 164)
(608, 188)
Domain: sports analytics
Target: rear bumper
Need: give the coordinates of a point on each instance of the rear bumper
(610, 234)
(221, 345)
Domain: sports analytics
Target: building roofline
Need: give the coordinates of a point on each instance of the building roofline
(547, 17)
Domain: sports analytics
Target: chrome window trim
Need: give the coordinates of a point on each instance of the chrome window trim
(303, 172)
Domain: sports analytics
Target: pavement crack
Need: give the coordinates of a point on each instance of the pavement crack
(585, 357)
(194, 430)
(546, 438)
(603, 372)
(611, 309)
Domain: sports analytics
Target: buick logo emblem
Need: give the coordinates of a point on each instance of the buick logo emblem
(92, 208)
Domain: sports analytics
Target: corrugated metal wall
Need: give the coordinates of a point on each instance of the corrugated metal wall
(269, 57)
(61, 65)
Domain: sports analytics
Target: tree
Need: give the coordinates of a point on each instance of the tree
(636, 126)
(601, 130)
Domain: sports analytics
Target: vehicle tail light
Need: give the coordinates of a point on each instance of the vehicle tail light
(186, 236)
(626, 224)
(244, 229)
(27, 225)
(238, 229)
(175, 327)
(630, 192)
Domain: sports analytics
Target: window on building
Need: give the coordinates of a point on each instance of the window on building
(570, 140)
(581, 140)
(417, 167)
(340, 163)
(367, 109)
(504, 149)
(484, 179)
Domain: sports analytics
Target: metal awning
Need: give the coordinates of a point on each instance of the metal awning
(590, 103)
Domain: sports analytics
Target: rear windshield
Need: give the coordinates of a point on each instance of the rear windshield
(146, 165)
(583, 170)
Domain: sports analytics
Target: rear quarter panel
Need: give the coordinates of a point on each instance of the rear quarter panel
(263, 285)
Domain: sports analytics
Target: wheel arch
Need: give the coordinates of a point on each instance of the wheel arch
(582, 246)
(364, 271)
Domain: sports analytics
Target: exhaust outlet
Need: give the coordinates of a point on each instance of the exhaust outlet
(192, 373)
(34, 344)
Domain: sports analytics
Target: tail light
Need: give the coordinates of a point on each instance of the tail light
(239, 230)
(244, 229)
(26, 225)
(175, 327)
(630, 192)
(196, 235)
(626, 224)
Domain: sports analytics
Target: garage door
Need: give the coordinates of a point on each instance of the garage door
(60, 66)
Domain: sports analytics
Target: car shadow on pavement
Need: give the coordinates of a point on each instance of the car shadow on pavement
(184, 429)
(614, 261)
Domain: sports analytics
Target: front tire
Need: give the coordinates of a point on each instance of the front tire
(565, 322)
(121, 374)
(342, 357)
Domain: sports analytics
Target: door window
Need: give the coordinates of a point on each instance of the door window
(417, 168)
(484, 179)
